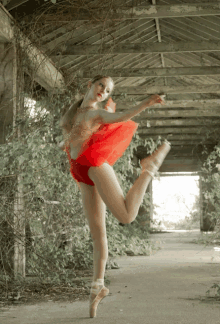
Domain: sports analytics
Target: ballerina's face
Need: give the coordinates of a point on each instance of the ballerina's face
(101, 89)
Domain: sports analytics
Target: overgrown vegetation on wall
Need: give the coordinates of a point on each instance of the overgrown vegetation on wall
(211, 186)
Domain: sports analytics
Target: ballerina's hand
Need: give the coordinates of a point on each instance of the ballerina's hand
(154, 99)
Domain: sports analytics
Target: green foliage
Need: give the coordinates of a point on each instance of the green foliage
(211, 184)
(214, 288)
(130, 239)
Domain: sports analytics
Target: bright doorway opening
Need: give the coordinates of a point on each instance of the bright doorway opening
(176, 203)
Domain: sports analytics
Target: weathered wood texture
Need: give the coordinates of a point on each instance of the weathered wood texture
(157, 72)
(12, 4)
(19, 204)
(153, 48)
(143, 90)
(19, 230)
(41, 67)
(7, 81)
(180, 165)
(151, 11)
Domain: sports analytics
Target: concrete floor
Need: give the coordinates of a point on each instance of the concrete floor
(167, 287)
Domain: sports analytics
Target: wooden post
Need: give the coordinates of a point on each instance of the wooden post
(150, 190)
(19, 214)
(19, 231)
(206, 223)
(200, 203)
(7, 184)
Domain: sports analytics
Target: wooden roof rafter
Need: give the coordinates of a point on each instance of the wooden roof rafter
(42, 68)
(123, 12)
(157, 72)
(12, 4)
(148, 47)
(141, 48)
(159, 40)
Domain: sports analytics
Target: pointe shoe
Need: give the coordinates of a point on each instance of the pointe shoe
(152, 163)
(95, 300)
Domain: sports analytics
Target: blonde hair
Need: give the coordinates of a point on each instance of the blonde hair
(100, 76)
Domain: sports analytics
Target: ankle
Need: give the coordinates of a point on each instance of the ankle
(98, 282)
(152, 174)
(96, 286)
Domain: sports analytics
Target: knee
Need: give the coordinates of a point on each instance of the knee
(125, 221)
(98, 233)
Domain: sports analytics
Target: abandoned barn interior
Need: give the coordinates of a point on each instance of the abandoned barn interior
(147, 47)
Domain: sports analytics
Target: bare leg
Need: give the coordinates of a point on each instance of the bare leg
(126, 209)
(135, 195)
(100, 255)
(95, 210)
(149, 165)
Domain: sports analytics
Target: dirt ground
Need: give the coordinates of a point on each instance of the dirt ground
(167, 287)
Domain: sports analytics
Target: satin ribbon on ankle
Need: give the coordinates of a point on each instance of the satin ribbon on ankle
(150, 173)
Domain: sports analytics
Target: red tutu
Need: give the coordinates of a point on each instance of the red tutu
(107, 144)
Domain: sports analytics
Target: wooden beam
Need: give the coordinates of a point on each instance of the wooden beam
(14, 4)
(42, 68)
(201, 104)
(180, 165)
(186, 143)
(143, 90)
(159, 40)
(166, 131)
(151, 113)
(6, 29)
(156, 72)
(176, 137)
(179, 173)
(150, 11)
(139, 48)
(186, 151)
(204, 122)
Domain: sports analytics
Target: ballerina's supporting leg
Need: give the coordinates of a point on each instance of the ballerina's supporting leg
(95, 209)
(98, 290)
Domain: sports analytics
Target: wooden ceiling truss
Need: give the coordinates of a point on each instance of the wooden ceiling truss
(155, 47)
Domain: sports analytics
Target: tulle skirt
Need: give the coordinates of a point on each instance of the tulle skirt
(107, 144)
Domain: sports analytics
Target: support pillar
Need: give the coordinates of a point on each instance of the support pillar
(7, 84)
(206, 223)
(19, 209)
(12, 104)
(7, 184)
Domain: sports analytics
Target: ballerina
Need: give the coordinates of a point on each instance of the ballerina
(94, 140)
